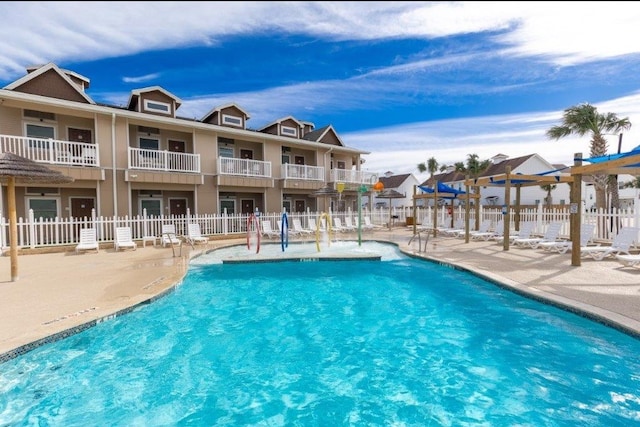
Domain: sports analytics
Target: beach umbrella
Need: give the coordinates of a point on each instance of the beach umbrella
(16, 169)
(389, 193)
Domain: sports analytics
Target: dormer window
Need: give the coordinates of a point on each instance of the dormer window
(231, 120)
(157, 106)
(289, 131)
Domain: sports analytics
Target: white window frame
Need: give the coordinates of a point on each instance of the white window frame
(150, 138)
(231, 200)
(145, 198)
(289, 131)
(227, 150)
(44, 124)
(228, 119)
(162, 107)
(55, 199)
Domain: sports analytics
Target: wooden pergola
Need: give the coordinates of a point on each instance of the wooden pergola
(508, 180)
(443, 195)
(621, 164)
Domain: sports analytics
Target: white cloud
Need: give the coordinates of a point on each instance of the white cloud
(560, 31)
(141, 79)
(401, 148)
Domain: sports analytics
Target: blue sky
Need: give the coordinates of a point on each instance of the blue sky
(404, 80)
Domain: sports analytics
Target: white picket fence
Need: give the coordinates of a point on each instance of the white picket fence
(39, 232)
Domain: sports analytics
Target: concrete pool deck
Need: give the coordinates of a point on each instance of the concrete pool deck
(59, 293)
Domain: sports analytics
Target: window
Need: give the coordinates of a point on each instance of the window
(286, 159)
(43, 208)
(157, 106)
(229, 205)
(149, 143)
(342, 165)
(41, 115)
(231, 120)
(40, 131)
(287, 130)
(225, 151)
(153, 206)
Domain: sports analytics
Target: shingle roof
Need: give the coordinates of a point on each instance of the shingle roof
(394, 181)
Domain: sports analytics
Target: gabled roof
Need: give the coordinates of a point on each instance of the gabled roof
(275, 122)
(222, 107)
(38, 71)
(394, 181)
(319, 134)
(137, 92)
(452, 176)
(501, 167)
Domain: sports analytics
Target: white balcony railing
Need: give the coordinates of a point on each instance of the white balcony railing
(53, 151)
(244, 167)
(353, 176)
(304, 172)
(157, 160)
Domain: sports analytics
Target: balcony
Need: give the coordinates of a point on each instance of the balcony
(303, 172)
(246, 173)
(52, 151)
(353, 176)
(244, 167)
(163, 161)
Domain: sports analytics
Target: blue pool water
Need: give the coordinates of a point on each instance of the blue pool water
(394, 342)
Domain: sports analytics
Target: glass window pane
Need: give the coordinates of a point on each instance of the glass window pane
(44, 208)
(152, 206)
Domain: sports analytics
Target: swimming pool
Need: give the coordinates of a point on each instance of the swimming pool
(397, 341)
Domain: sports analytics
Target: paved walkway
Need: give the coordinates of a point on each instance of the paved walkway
(63, 292)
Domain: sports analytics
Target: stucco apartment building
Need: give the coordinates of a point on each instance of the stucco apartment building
(143, 155)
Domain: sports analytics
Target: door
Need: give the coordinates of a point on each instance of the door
(82, 206)
(301, 206)
(174, 159)
(178, 207)
(247, 206)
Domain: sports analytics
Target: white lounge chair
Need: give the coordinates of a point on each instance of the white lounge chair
(497, 233)
(290, 230)
(297, 227)
(124, 239)
(526, 228)
(482, 233)
(370, 225)
(267, 230)
(88, 240)
(169, 236)
(348, 224)
(551, 235)
(337, 225)
(629, 260)
(194, 235)
(620, 245)
(457, 230)
(365, 227)
(562, 246)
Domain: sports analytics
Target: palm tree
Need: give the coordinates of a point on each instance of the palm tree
(548, 188)
(585, 119)
(431, 166)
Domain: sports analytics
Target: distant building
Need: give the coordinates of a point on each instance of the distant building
(403, 184)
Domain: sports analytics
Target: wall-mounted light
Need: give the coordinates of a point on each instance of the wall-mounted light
(133, 176)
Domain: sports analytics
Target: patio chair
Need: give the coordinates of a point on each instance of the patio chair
(365, 227)
(290, 230)
(562, 246)
(124, 240)
(368, 223)
(526, 229)
(455, 231)
(620, 245)
(267, 230)
(482, 233)
(297, 226)
(628, 260)
(194, 235)
(169, 236)
(337, 225)
(88, 240)
(551, 235)
(497, 232)
(348, 224)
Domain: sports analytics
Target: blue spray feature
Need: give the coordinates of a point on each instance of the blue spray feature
(284, 231)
